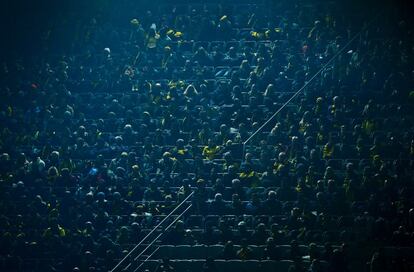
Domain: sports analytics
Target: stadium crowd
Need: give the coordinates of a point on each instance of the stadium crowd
(99, 144)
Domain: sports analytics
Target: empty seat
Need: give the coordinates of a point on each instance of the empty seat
(228, 265)
(282, 266)
(250, 265)
(284, 251)
(164, 251)
(214, 250)
(151, 265)
(184, 265)
(181, 252)
(258, 251)
(197, 265)
(199, 252)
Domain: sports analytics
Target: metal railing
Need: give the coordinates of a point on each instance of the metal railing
(153, 241)
(308, 82)
(125, 266)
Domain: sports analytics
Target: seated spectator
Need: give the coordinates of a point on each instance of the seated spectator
(271, 204)
(254, 206)
(236, 206)
(228, 252)
(210, 150)
(176, 235)
(218, 206)
(210, 235)
(241, 233)
(271, 252)
(225, 232)
(260, 235)
(245, 252)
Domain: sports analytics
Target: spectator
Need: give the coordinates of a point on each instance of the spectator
(228, 252)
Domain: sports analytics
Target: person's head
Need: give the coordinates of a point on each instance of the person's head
(100, 196)
(218, 197)
(244, 65)
(270, 242)
(201, 183)
(116, 196)
(235, 198)
(54, 156)
(295, 212)
(123, 231)
(261, 228)
(52, 172)
(282, 157)
(179, 226)
(227, 157)
(242, 226)
(235, 183)
(223, 128)
(223, 225)
(331, 185)
(180, 143)
(270, 90)
(271, 195)
(228, 246)
(411, 214)
(65, 172)
(153, 184)
(233, 170)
